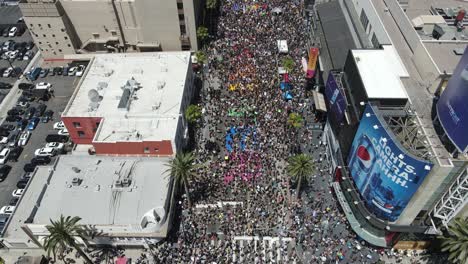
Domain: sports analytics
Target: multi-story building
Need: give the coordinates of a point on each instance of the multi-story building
(62, 27)
(400, 165)
(132, 104)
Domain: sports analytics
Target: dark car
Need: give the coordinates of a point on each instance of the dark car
(5, 85)
(56, 138)
(65, 70)
(15, 111)
(29, 45)
(17, 71)
(44, 73)
(7, 127)
(21, 184)
(13, 201)
(5, 32)
(13, 118)
(4, 170)
(22, 124)
(40, 161)
(40, 110)
(47, 116)
(33, 123)
(15, 153)
(4, 133)
(30, 112)
(26, 86)
(29, 167)
(20, 31)
(26, 176)
(3, 221)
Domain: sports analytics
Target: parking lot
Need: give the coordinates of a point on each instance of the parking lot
(63, 87)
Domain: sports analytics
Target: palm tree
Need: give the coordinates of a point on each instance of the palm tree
(182, 168)
(299, 167)
(295, 120)
(193, 113)
(202, 33)
(456, 242)
(288, 64)
(201, 57)
(62, 234)
(211, 4)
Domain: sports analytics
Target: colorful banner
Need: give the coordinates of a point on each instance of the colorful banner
(385, 174)
(452, 107)
(313, 57)
(336, 100)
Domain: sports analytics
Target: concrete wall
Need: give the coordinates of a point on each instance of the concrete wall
(426, 67)
(403, 23)
(153, 148)
(375, 25)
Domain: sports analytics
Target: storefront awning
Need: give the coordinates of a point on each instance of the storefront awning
(319, 101)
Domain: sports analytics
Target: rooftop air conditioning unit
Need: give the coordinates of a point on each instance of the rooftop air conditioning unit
(118, 183)
(76, 181)
(126, 182)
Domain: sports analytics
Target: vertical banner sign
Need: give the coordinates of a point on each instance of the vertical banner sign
(313, 57)
(385, 174)
(335, 98)
(452, 107)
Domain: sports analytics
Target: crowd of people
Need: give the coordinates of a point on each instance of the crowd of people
(243, 196)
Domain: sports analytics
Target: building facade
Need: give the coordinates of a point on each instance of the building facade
(112, 25)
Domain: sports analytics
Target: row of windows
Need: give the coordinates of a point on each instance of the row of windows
(48, 25)
(53, 35)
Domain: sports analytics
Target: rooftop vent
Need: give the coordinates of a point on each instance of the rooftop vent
(126, 182)
(102, 85)
(94, 96)
(125, 99)
(75, 169)
(161, 84)
(76, 181)
(118, 183)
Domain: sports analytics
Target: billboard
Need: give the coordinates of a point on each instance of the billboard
(313, 57)
(452, 108)
(335, 98)
(385, 174)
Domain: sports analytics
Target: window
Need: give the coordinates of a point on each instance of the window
(40, 43)
(49, 25)
(113, 33)
(364, 19)
(181, 17)
(39, 25)
(31, 25)
(63, 30)
(146, 150)
(183, 30)
(68, 45)
(81, 134)
(180, 6)
(53, 35)
(60, 50)
(76, 124)
(96, 35)
(375, 41)
(44, 35)
(56, 43)
(65, 37)
(156, 149)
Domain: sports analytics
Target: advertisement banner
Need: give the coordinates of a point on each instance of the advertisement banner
(452, 107)
(313, 57)
(385, 174)
(335, 98)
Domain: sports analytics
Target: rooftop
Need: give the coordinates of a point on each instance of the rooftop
(416, 8)
(380, 71)
(98, 199)
(137, 94)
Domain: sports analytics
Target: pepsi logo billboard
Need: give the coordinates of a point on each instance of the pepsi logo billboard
(335, 98)
(452, 107)
(385, 174)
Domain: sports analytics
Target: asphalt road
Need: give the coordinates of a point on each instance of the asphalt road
(63, 88)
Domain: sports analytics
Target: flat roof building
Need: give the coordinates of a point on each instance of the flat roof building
(132, 104)
(127, 200)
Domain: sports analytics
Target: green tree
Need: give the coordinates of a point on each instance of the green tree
(456, 241)
(181, 169)
(201, 57)
(295, 120)
(288, 64)
(202, 33)
(211, 4)
(299, 167)
(62, 235)
(193, 113)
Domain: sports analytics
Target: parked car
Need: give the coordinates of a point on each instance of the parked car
(13, 54)
(13, 138)
(29, 45)
(56, 138)
(22, 184)
(24, 138)
(58, 70)
(65, 70)
(28, 167)
(3, 140)
(4, 170)
(17, 71)
(5, 32)
(47, 116)
(28, 55)
(13, 31)
(17, 192)
(30, 112)
(33, 123)
(8, 127)
(44, 73)
(3, 222)
(23, 104)
(26, 86)
(7, 44)
(40, 110)
(43, 85)
(80, 70)
(55, 145)
(59, 125)
(7, 209)
(5, 85)
(4, 132)
(45, 152)
(34, 73)
(4, 155)
(72, 71)
(7, 72)
(22, 124)
(26, 176)
(63, 132)
(15, 153)
(15, 111)
(13, 202)
(13, 118)
(40, 161)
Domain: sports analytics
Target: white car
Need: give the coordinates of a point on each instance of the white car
(12, 32)
(13, 54)
(72, 71)
(63, 132)
(3, 140)
(7, 209)
(80, 70)
(7, 72)
(45, 152)
(17, 193)
(54, 145)
(4, 155)
(43, 85)
(59, 125)
(23, 104)
(23, 140)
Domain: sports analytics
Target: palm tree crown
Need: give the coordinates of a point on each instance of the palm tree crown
(182, 168)
(62, 234)
(457, 241)
(299, 167)
(295, 120)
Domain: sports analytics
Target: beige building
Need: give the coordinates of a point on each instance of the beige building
(62, 27)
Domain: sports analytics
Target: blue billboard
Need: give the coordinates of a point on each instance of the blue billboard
(385, 174)
(335, 98)
(452, 107)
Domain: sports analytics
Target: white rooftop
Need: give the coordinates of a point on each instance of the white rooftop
(154, 84)
(380, 71)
